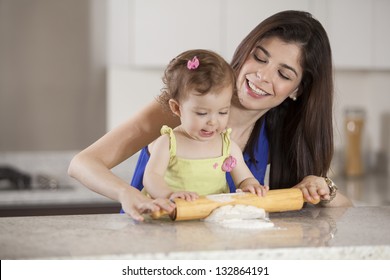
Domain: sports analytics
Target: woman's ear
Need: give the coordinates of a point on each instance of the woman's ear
(294, 94)
(175, 107)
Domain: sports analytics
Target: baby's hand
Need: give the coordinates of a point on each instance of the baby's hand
(188, 196)
(253, 186)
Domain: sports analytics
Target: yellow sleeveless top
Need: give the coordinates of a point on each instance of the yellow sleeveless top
(203, 176)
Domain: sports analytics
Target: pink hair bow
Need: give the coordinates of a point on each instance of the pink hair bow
(193, 63)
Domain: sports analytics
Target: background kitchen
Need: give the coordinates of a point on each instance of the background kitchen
(71, 70)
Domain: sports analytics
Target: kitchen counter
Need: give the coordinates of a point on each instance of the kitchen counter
(73, 198)
(68, 200)
(75, 194)
(369, 190)
(311, 233)
(70, 197)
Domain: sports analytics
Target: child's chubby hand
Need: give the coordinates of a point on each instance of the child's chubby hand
(253, 186)
(188, 196)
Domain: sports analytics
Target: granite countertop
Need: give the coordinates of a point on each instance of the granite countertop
(311, 233)
(369, 190)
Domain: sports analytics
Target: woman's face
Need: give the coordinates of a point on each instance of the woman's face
(271, 74)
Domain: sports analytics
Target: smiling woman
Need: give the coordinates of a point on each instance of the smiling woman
(271, 73)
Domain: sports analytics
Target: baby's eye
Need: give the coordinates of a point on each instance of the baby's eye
(201, 114)
(223, 113)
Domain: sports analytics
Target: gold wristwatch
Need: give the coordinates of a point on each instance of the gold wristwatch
(332, 189)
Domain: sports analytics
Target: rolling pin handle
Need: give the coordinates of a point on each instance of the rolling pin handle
(158, 214)
(162, 213)
(314, 201)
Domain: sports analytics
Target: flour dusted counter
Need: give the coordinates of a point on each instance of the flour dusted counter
(311, 233)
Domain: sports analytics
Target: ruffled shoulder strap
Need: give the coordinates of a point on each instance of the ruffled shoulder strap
(172, 140)
(226, 141)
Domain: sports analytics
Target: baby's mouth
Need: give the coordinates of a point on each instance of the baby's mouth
(206, 133)
(255, 89)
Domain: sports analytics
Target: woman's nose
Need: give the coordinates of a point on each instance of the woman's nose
(263, 75)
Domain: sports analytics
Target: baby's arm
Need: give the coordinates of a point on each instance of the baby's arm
(242, 176)
(156, 167)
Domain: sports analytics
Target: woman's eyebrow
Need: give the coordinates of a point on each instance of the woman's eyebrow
(264, 50)
(283, 65)
(290, 68)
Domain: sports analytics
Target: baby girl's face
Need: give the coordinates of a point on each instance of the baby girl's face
(206, 116)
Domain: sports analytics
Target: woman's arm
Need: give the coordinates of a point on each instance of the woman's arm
(92, 166)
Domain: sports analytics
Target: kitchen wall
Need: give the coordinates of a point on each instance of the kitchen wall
(362, 73)
(369, 90)
(71, 70)
(52, 74)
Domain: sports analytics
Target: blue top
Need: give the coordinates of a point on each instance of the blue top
(258, 169)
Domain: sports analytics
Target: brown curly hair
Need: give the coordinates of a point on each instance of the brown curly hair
(213, 72)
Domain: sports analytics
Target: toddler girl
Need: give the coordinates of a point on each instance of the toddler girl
(192, 159)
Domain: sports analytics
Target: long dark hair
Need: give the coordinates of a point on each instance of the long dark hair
(300, 133)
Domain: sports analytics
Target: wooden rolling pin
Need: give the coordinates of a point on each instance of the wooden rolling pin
(275, 201)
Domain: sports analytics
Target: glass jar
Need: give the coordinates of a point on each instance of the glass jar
(354, 123)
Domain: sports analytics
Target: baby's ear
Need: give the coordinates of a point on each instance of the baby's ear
(175, 107)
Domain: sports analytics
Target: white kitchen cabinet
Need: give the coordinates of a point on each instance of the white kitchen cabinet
(350, 25)
(149, 33)
(163, 29)
(242, 16)
(381, 34)
(120, 32)
(358, 33)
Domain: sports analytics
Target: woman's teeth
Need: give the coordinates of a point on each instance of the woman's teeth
(256, 89)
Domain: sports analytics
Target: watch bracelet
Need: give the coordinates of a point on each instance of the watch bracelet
(332, 189)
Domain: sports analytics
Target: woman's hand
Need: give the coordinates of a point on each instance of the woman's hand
(253, 186)
(314, 188)
(188, 196)
(134, 203)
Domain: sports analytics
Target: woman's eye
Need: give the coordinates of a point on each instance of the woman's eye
(284, 76)
(258, 58)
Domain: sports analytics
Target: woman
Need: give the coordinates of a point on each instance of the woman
(282, 108)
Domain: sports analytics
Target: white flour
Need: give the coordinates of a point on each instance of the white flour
(240, 217)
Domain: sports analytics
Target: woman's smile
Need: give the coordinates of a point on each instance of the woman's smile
(254, 91)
